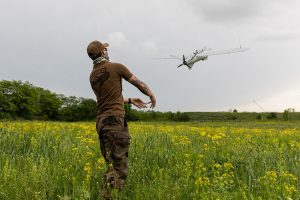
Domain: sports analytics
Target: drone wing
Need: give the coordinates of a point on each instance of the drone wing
(172, 57)
(226, 51)
(175, 57)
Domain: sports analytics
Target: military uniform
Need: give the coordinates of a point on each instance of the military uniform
(114, 143)
(106, 82)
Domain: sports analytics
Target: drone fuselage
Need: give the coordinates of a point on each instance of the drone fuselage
(196, 58)
(203, 54)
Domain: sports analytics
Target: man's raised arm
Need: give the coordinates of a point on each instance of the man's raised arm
(143, 88)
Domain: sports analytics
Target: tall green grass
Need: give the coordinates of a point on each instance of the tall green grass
(218, 160)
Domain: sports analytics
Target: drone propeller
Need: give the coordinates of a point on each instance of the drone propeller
(184, 61)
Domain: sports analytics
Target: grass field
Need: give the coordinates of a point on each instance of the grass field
(216, 160)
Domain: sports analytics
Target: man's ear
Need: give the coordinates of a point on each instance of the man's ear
(102, 52)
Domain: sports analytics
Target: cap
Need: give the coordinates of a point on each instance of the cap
(94, 49)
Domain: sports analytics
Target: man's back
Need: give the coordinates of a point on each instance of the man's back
(106, 81)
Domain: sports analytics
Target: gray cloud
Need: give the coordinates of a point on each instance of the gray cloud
(240, 13)
(227, 10)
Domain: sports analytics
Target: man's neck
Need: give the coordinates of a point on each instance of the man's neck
(99, 60)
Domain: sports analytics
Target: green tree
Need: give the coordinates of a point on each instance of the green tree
(286, 113)
(18, 99)
(259, 116)
(77, 109)
(49, 104)
(182, 117)
(272, 115)
(170, 116)
(87, 108)
(69, 108)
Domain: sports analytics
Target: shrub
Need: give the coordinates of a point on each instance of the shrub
(272, 115)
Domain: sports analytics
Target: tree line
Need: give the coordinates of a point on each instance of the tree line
(22, 100)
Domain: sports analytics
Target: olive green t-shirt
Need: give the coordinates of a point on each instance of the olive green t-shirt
(106, 82)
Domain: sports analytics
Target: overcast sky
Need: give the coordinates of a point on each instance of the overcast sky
(44, 42)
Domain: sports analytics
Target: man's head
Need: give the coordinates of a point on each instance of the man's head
(96, 49)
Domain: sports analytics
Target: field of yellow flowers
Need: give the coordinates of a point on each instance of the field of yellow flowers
(55, 160)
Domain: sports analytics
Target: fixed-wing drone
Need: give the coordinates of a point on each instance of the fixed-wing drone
(203, 54)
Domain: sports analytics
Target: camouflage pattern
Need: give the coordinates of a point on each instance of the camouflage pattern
(114, 143)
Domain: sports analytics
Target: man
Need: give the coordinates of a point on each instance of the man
(106, 81)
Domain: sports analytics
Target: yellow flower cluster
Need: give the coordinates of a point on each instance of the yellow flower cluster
(272, 179)
(100, 163)
(269, 178)
(203, 181)
(180, 140)
(88, 170)
(221, 179)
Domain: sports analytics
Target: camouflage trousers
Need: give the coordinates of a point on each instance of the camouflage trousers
(114, 143)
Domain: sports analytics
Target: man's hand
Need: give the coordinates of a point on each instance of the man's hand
(138, 103)
(153, 101)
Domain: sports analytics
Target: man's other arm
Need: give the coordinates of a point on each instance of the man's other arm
(143, 88)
